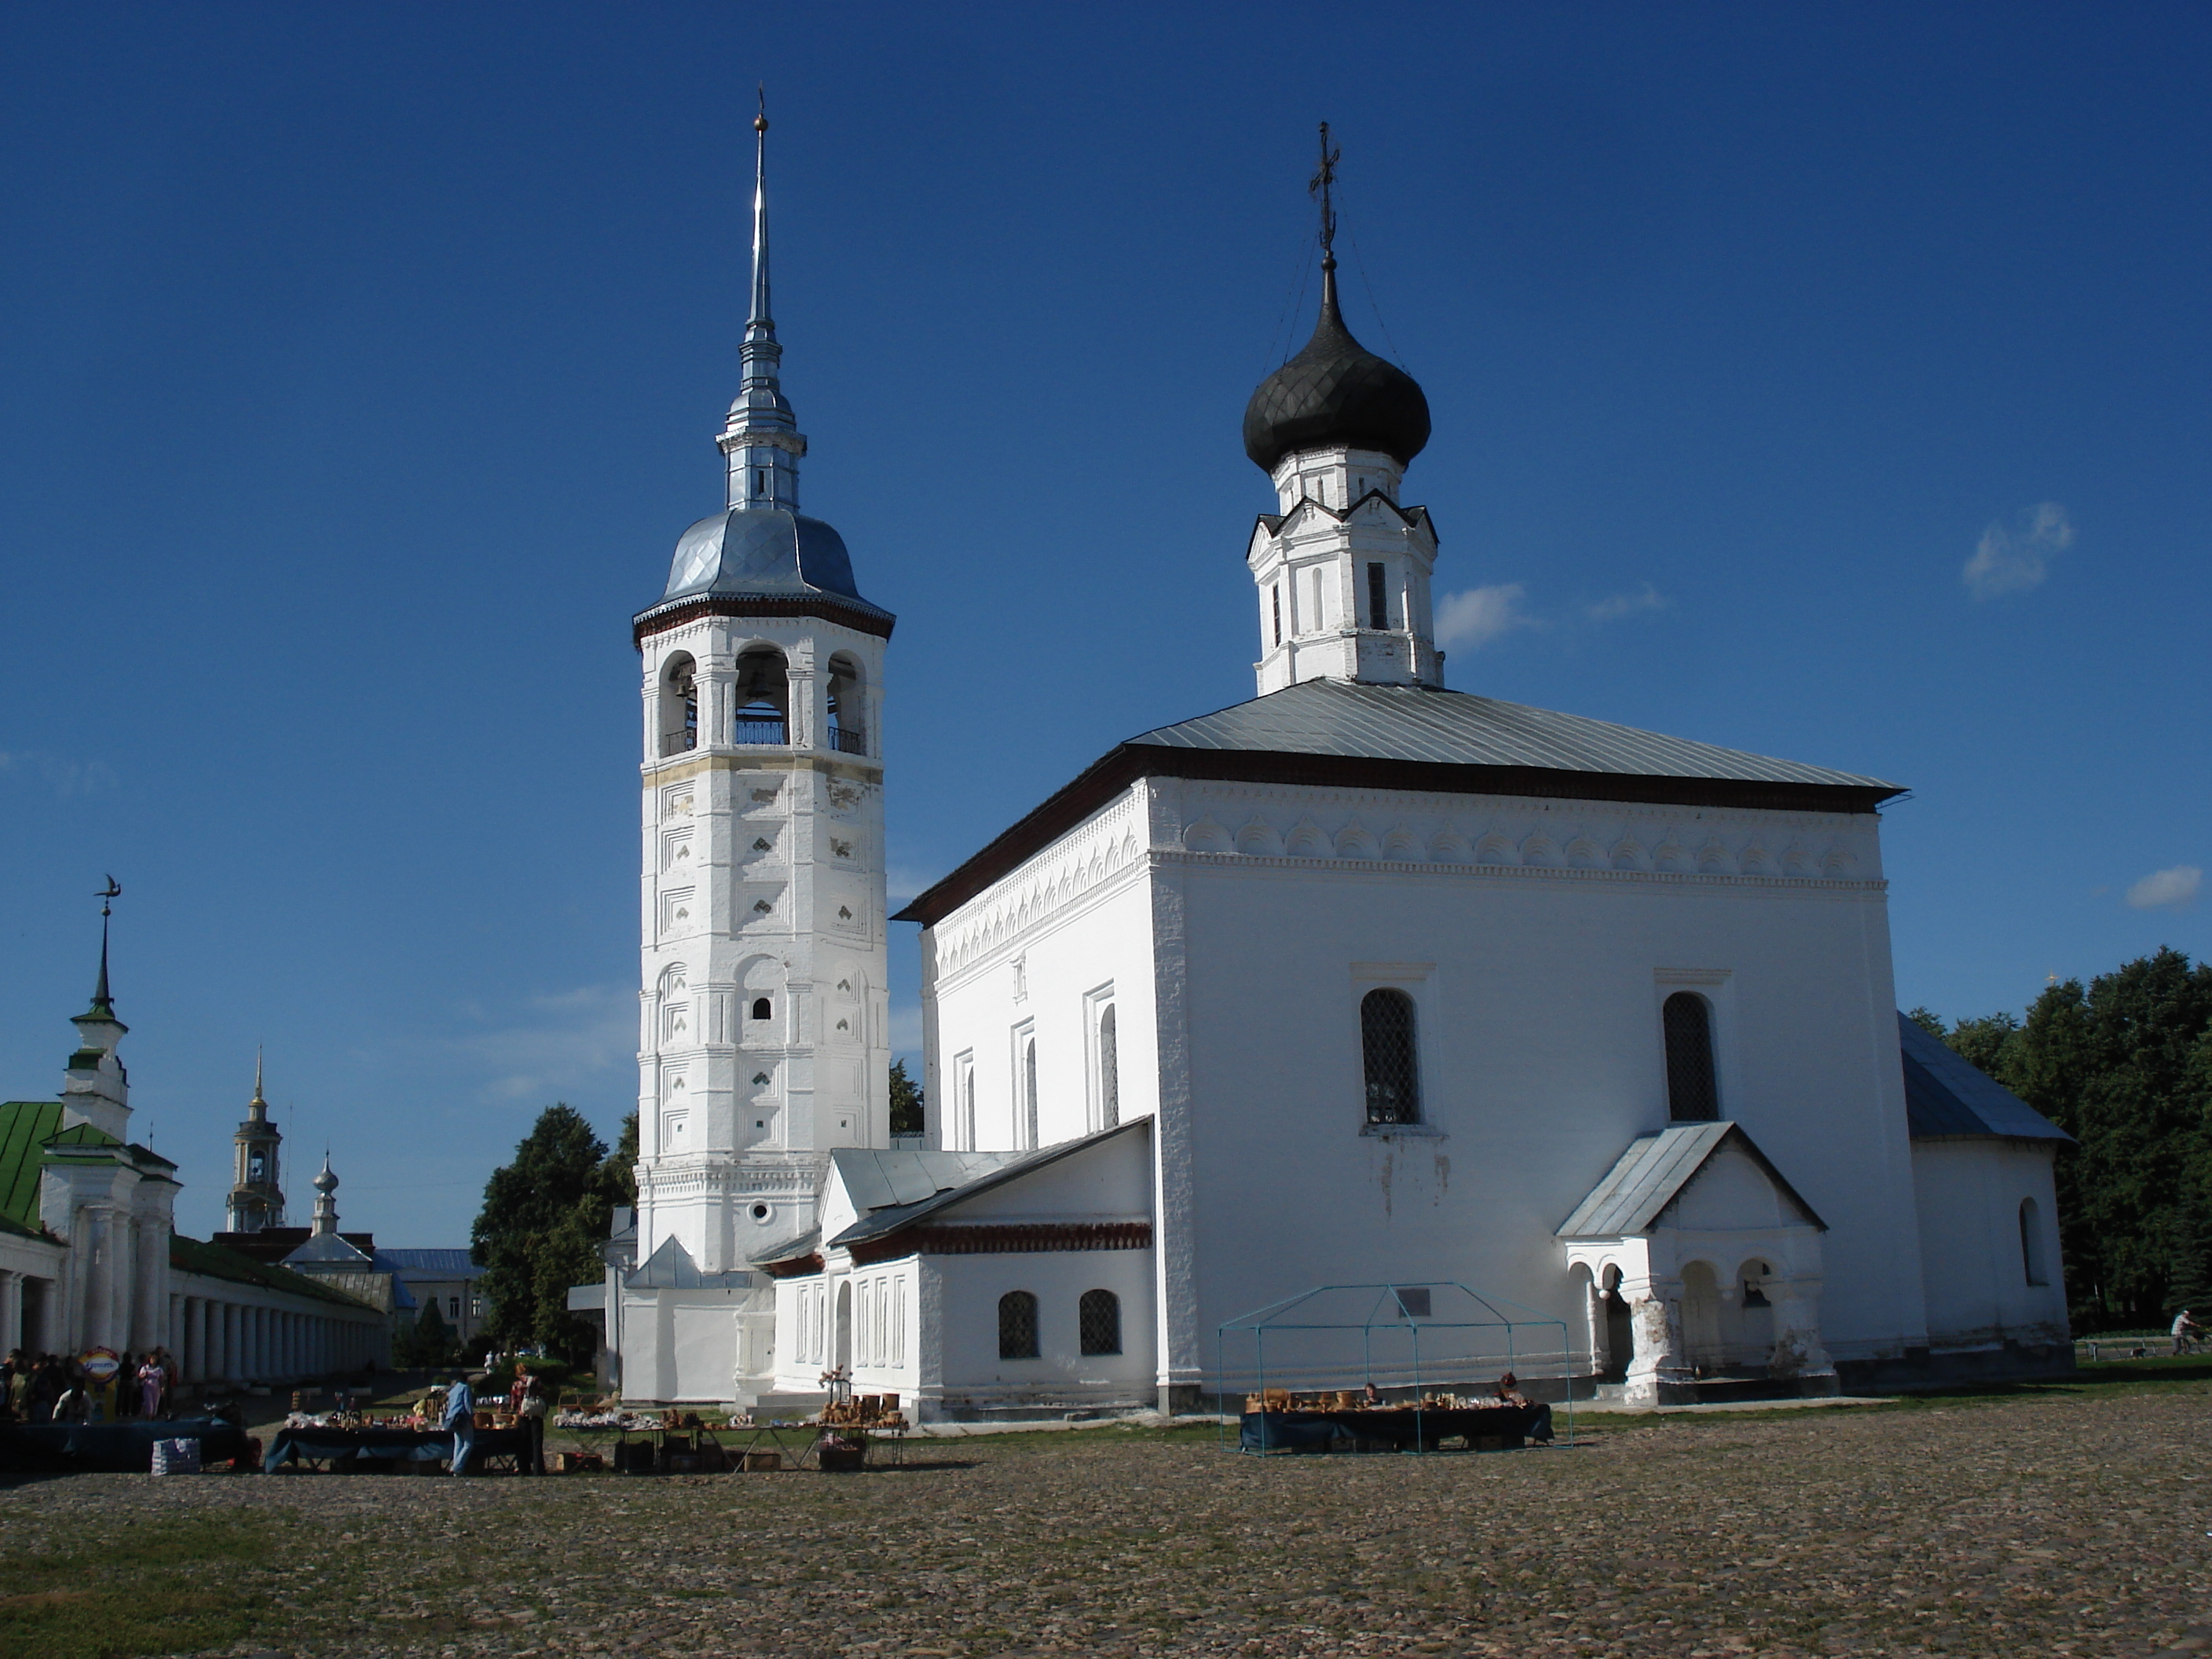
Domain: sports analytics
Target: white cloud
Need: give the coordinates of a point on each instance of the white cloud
(1471, 620)
(1614, 606)
(2014, 560)
(566, 1044)
(66, 778)
(2167, 890)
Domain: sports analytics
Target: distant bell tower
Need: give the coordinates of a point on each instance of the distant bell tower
(1342, 569)
(763, 1036)
(257, 1200)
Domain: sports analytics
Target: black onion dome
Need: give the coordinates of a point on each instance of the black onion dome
(1335, 392)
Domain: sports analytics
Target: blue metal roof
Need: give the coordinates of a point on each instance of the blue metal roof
(1947, 1097)
(444, 1264)
(762, 552)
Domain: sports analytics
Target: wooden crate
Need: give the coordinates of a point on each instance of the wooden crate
(763, 1463)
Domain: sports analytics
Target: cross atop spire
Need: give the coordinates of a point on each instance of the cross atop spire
(760, 316)
(1323, 180)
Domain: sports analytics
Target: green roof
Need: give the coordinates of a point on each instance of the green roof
(25, 1126)
(195, 1255)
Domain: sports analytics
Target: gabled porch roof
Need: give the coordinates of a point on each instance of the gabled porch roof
(1651, 1174)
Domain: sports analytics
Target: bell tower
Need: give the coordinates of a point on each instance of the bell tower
(256, 1198)
(764, 1034)
(1342, 569)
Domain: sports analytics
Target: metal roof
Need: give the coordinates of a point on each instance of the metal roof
(1652, 1173)
(25, 1126)
(195, 1255)
(329, 1248)
(1009, 1166)
(671, 1268)
(1947, 1097)
(1458, 728)
(445, 1264)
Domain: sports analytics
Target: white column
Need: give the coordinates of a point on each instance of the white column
(92, 1257)
(149, 1286)
(11, 1311)
(230, 1359)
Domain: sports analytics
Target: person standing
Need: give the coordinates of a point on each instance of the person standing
(461, 1419)
(150, 1379)
(2184, 1328)
(531, 1418)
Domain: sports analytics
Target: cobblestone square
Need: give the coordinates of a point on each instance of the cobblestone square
(2072, 1520)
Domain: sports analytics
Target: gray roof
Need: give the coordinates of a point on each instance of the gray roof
(988, 1170)
(1652, 1173)
(671, 1268)
(789, 1249)
(1947, 1097)
(1457, 728)
(422, 1264)
(328, 1249)
(764, 552)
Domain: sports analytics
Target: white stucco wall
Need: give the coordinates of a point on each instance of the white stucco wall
(1973, 1267)
(1538, 939)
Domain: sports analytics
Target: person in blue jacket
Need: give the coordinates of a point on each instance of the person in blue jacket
(461, 1419)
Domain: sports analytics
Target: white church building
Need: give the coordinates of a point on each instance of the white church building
(1364, 981)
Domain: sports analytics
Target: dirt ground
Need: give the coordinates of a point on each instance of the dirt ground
(2069, 1521)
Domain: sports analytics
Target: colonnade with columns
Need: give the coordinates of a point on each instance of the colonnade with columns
(27, 1311)
(222, 1338)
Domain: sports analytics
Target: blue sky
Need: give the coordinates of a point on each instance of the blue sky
(1829, 382)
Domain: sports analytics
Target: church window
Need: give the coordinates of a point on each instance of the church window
(761, 1008)
(1110, 1071)
(762, 688)
(760, 481)
(1386, 1040)
(1276, 592)
(1098, 1320)
(963, 1101)
(680, 705)
(1029, 1091)
(1017, 1326)
(1378, 602)
(1693, 1096)
(2030, 1243)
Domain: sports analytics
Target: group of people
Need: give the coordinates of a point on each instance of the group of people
(52, 1387)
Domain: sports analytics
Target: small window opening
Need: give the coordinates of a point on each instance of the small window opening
(2030, 1243)
(761, 1008)
(847, 729)
(1098, 1320)
(1386, 1040)
(1110, 1072)
(1030, 1089)
(760, 482)
(1276, 593)
(1017, 1326)
(1378, 602)
(1691, 1094)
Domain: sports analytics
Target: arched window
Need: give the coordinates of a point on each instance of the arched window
(848, 731)
(1109, 1078)
(680, 705)
(1386, 1042)
(763, 697)
(1030, 1089)
(761, 1010)
(1098, 1318)
(1017, 1326)
(2030, 1242)
(1692, 1097)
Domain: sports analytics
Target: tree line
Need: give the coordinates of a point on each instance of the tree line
(545, 1217)
(2123, 1064)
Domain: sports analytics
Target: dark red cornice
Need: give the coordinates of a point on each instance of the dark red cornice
(662, 617)
(950, 1238)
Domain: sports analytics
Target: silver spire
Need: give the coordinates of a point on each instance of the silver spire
(761, 438)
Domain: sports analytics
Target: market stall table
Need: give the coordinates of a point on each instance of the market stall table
(1399, 1428)
(115, 1448)
(318, 1446)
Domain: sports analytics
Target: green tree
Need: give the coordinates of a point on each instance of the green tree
(544, 1216)
(2125, 1065)
(429, 1341)
(907, 1117)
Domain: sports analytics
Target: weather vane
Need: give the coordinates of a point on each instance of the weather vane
(760, 121)
(1320, 187)
(106, 895)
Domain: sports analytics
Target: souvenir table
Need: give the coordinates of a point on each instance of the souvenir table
(115, 1448)
(321, 1446)
(1401, 1428)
